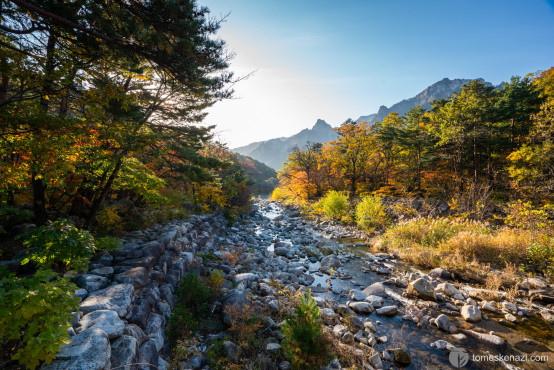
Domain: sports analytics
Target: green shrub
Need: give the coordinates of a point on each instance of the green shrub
(107, 243)
(370, 213)
(541, 256)
(59, 245)
(335, 205)
(15, 215)
(34, 316)
(192, 302)
(305, 343)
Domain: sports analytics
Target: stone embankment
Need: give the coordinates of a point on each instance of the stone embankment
(127, 297)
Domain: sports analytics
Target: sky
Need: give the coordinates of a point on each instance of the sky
(334, 60)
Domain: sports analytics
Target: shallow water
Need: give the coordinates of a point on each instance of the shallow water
(405, 334)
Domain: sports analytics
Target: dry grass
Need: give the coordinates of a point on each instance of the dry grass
(469, 248)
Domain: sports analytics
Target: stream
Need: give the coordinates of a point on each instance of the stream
(529, 336)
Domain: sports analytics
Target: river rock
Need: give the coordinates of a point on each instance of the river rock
(330, 261)
(440, 273)
(377, 289)
(534, 283)
(247, 276)
(422, 288)
(281, 251)
(375, 301)
(471, 313)
(376, 361)
(548, 316)
(387, 311)
(87, 350)
(235, 300)
(124, 351)
(509, 306)
(443, 322)
(116, 298)
(339, 330)
(490, 339)
(447, 289)
(401, 357)
(106, 320)
(361, 307)
(357, 295)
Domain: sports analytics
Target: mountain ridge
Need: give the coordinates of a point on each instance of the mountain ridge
(274, 152)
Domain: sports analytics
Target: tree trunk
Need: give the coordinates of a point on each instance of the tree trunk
(37, 183)
(39, 199)
(100, 199)
(474, 156)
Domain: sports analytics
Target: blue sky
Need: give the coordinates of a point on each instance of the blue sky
(342, 59)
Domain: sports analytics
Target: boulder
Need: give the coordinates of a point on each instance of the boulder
(377, 289)
(447, 289)
(387, 311)
(422, 288)
(148, 354)
(234, 301)
(489, 339)
(106, 320)
(136, 332)
(87, 350)
(401, 357)
(440, 273)
(443, 322)
(116, 298)
(471, 313)
(125, 350)
(339, 330)
(281, 251)
(330, 261)
(138, 276)
(155, 330)
(375, 301)
(91, 283)
(357, 295)
(245, 277)
(361, 307)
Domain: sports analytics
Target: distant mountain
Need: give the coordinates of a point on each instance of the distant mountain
(439, 90)
(275, 151)
(263, 177)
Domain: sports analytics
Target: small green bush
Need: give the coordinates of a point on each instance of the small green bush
(305, 343)
(34, 316)
(192, 302)
(541, 256)
(59, 245)
(335, 205)
(370, 213)
(107, 243)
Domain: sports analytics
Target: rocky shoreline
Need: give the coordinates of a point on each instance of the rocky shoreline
(380, 312)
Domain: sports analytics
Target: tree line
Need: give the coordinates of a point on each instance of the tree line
(497, 139)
